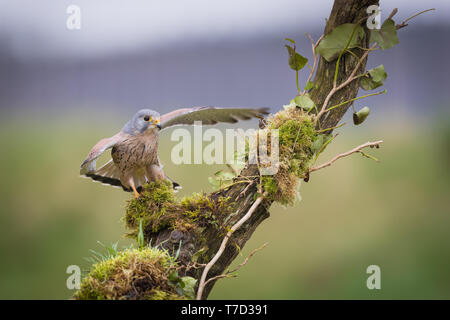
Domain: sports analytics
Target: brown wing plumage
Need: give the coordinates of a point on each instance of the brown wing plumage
(209, 115)
(88, 165)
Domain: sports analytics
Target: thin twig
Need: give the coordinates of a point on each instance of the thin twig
(216, 257)
(314, 47)
(345, 154)
(404, 23)
(393, 13)
(227, 274)
(350, 78)
(242, 193)
(331, 128)
(354, 99)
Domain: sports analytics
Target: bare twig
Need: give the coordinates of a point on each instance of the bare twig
(345, 154)
(314, 47)
(350, 78)
(216, 257)
(227, 274)
(332, 128)
(393, 13)
(245, 190)
(354, 99)
(190, 266)
(404, 23)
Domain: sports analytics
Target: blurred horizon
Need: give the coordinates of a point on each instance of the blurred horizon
(61, 91)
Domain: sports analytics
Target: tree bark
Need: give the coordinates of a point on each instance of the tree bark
(343, 11)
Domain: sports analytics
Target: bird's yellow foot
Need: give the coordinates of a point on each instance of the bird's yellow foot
(136, 194)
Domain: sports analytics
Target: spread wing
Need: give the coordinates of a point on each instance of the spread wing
(209, 115)
(88, 165)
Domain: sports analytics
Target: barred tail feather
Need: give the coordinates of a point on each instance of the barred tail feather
(109, 174)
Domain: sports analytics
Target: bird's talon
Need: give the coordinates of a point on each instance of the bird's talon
(136, 193)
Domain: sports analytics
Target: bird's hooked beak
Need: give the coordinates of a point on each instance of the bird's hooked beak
(158, 126)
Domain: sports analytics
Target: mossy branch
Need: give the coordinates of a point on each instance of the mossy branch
(199, 230)
(216, 257)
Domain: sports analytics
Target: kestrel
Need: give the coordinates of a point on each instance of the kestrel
(134, 151)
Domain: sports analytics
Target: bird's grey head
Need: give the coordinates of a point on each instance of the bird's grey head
(142, 121)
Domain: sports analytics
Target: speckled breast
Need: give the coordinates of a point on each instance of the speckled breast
(135, 152)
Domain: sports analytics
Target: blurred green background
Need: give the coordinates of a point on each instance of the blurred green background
(62, 90)
(394, 214)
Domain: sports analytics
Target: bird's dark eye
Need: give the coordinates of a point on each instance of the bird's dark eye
(146, 118)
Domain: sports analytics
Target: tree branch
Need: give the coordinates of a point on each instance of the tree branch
(249, 207)
(252, 209)
(343, 11)
(228, 273)
(346, 154)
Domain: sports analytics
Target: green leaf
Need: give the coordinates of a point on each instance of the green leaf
(214, 183)
(221, 179)
(290, 40)
(333, 43)
(309, 85)
(386, 36)
(374, 79)
(317, 144)
(196, 255)
(173, 277)
(304, 102)
(361, 115)
(188, 286)
(140, 238)
(296, 60)
(224, 175)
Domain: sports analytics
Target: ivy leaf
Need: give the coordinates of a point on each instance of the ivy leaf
(361, 115)
(296, 60)
(221, 179)
(196, 255)
(224, 175)
(215, 184)
(374, 79)
(304, 102)
(309, 85)
(187, 285)
(386, 36)
(317, 144)
(173, 277)
(333, 43)
(290, 40)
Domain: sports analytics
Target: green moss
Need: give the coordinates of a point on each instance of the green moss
(269, 185)
(132, 274)
(159, 192)
(162, 295)
(296, 136)
(158, 209)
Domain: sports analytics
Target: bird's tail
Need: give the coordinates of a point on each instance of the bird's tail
(109, 174)
(175, 185)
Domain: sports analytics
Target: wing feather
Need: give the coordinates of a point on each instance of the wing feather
(89, 164)
(209, 115)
